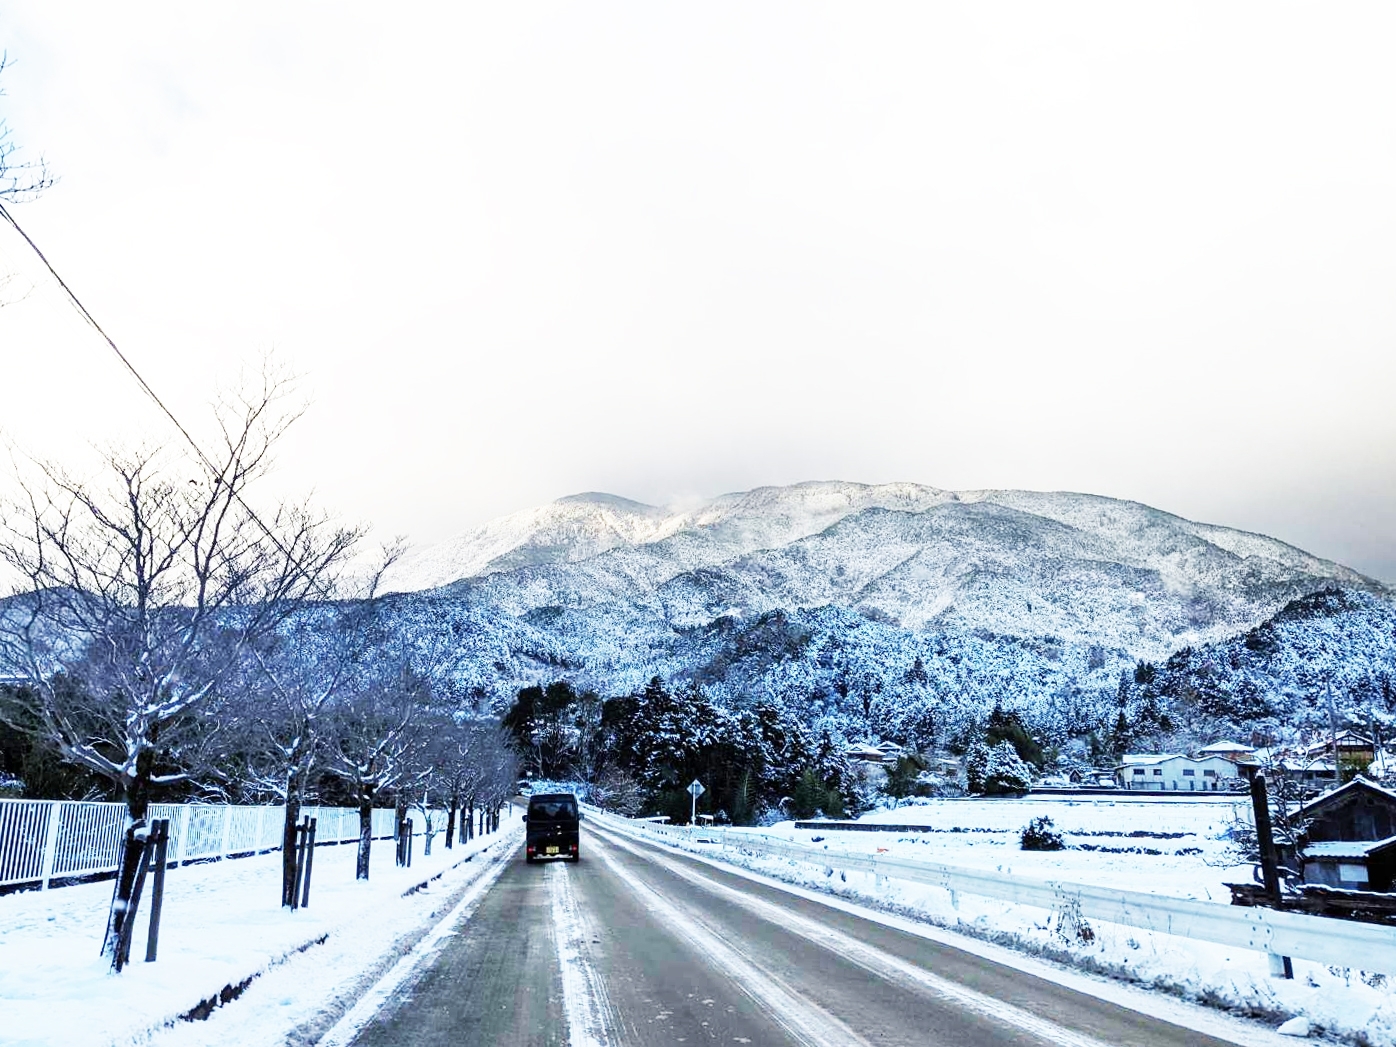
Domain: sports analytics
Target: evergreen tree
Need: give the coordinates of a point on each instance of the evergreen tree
(1005, 772)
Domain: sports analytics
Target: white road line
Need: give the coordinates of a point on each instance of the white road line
(876, 962)
(343, 1031)
(590, 1018)
(805, 1021)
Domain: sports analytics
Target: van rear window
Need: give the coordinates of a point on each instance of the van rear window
(561, 810)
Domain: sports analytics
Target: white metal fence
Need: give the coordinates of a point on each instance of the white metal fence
(1345, 943)
(44, 840)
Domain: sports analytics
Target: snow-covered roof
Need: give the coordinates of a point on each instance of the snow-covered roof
(1319, 766)
(1357, 784)
(863, 749)
(1137, 758)
(1346, 848)
(1226, 747)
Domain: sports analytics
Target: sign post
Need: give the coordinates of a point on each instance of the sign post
(695, 790)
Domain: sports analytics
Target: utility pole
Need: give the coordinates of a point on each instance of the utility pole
(1333, 729)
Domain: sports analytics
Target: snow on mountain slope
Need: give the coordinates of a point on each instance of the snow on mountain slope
(571, 528)
(580, 526)
(1082, 568)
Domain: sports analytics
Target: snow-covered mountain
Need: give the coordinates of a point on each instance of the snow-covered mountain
(1078, 568)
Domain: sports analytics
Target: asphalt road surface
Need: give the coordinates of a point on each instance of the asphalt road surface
(638, 946)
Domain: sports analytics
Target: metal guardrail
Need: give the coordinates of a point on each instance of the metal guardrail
(1343, 943)
(44, 840)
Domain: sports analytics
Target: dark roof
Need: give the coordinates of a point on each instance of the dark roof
(1358, 784)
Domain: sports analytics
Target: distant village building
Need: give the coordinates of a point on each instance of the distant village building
(1233, 751)
(1309, 772)
(890, 751)
(1174, 772)
(862, 752)
(1351, 746)
(1350, 840)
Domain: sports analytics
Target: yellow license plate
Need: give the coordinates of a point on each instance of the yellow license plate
(552, 850)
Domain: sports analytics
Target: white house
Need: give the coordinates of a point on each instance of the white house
(1174, 772)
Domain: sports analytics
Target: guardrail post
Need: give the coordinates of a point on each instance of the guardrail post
(55, 816)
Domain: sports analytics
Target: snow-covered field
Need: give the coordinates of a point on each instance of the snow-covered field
(221, 925)
(1194, 860)
(1165, 847)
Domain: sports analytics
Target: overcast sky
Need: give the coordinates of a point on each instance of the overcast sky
(667, 251)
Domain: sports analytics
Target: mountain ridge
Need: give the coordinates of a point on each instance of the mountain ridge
(1084, 568)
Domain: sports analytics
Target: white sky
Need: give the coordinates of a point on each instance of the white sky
(667, 251)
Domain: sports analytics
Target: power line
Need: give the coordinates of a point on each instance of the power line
(82, 311)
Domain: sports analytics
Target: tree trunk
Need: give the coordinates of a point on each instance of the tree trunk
(137, 827)
(365, 837)
(400, 820)
(470, 820)
(451, 821)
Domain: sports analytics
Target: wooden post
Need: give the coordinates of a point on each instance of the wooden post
(160, 840)
(302, 832)
(1280, 966)
(128, 925)
(309, 865)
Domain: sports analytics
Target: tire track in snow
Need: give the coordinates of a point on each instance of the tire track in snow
(586, 1001)
(805, 1021)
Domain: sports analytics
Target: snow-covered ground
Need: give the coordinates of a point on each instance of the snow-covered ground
(1165, 847)
(1194, 860)
(221, 925)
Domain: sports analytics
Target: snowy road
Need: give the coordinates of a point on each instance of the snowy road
(644, 947)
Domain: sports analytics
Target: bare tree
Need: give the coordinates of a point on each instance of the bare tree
(376, 738)
(476, 749)
(19, 179)
(317, 655)
(142, 593)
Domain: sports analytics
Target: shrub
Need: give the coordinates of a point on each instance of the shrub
(1041, 836)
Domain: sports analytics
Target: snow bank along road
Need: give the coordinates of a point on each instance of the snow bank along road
(641, 945)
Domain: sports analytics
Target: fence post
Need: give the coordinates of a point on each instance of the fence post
(161, 842)
(227, 831)
(51, 840)
(182, 850)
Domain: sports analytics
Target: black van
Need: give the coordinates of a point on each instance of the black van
(552, 830)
